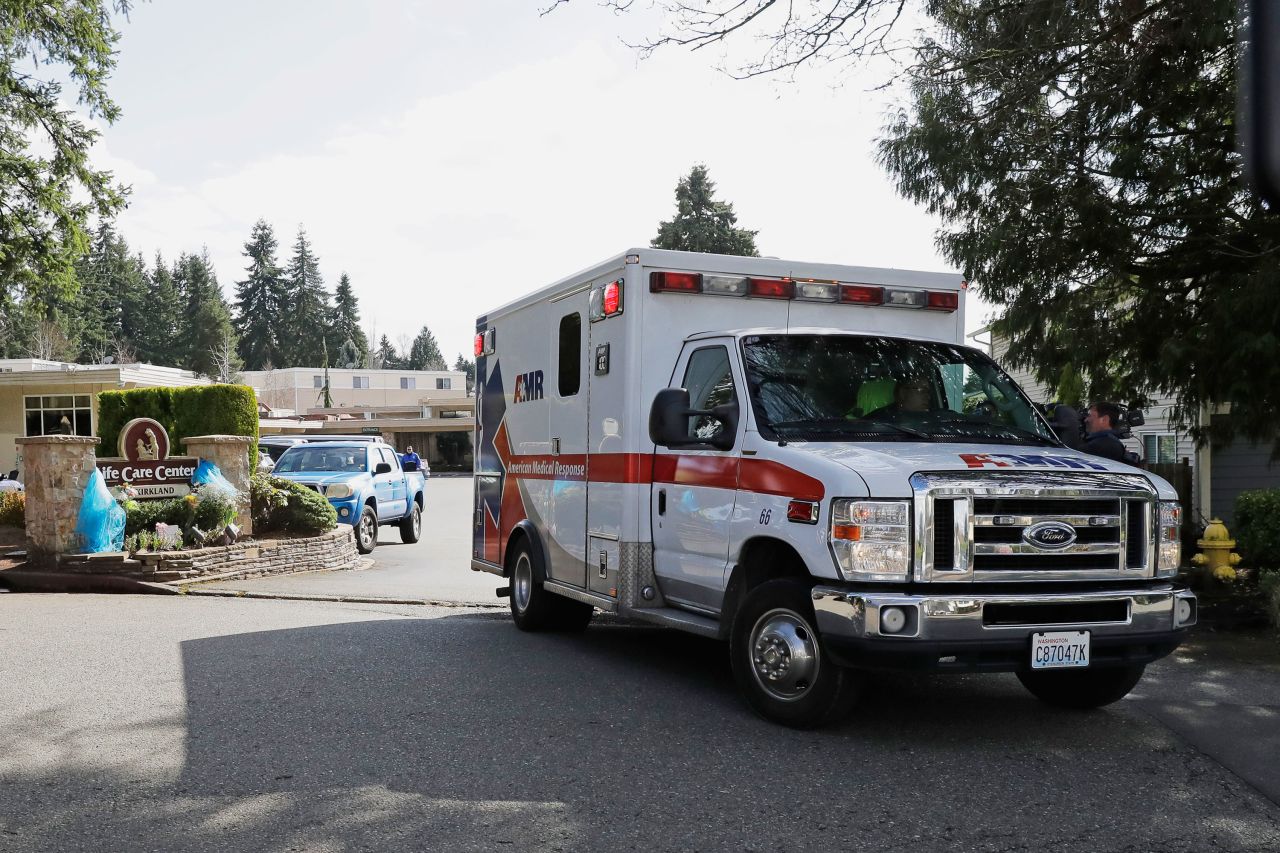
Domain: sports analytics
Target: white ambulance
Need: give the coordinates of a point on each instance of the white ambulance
(805, 460)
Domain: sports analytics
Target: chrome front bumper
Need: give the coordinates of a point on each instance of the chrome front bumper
(962, 631)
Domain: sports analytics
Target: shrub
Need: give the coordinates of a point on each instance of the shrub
(277, 504)
(13, 509)
(207, 509)
(184, 412)
(1257, 526)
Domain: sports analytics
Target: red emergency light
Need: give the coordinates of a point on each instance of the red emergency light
(771, 288)
(479, 346)
(679, 282)
(942, 300)
(612, 298)
(862, 294)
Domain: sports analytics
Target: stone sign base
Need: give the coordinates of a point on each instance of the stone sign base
(333, 550)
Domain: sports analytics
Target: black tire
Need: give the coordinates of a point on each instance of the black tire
(779, 661)
(532, 607)
(411, 526)
(1082, 689)
(367, 530)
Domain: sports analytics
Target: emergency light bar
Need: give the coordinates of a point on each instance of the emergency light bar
(803, 290)
(485, 343)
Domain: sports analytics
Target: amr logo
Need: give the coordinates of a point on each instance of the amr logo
(528, 386)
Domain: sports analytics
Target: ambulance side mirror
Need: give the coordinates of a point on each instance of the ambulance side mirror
(669, 421)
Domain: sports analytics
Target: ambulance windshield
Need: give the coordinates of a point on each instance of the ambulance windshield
(859, 388)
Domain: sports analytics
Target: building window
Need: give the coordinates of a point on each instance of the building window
(570, 373)
(1161, 448)
(408, 383)
(359, 381)
(444, 384)
(59, 415)
(317, 381)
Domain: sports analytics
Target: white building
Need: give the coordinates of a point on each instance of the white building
(302, 388)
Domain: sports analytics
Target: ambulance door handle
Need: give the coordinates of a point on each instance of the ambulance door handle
(662, 501)
(555, 447)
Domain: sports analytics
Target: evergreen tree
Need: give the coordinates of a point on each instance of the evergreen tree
(425, 353)
(205, 325)
(1097, 196)
(158, 341)
(385, 356)
(467, 366)
(346, 325)
(703, 224)
(110, 304)
(307, 321)
(261, 301)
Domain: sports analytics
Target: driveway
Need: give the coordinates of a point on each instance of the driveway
(436, 569)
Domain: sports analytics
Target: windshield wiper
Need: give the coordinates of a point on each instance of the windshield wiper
(1015, 431)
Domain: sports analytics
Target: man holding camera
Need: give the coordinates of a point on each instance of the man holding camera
(1101, 438)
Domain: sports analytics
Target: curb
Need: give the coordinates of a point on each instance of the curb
(343, 599)
(26, 580)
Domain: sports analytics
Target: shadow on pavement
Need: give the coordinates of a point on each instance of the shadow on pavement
(461, 733)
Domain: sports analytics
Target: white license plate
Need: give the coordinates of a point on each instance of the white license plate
(1060, 650)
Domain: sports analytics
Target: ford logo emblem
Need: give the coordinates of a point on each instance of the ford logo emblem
(1050, 535)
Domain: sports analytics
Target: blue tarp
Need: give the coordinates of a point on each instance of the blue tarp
(208, 475)
(100, 524)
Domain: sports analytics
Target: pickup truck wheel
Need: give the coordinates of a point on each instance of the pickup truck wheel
(411, 526)
(779, 662)
(367, 531)
(535, 609)
(1082, 689)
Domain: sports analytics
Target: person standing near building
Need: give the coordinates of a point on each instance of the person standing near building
(410, 457)
(1101, 438)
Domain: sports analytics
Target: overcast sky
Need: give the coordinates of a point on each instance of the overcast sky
(450, 156)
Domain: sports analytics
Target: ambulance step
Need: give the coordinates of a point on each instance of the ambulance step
(608, 605)
(682, 620)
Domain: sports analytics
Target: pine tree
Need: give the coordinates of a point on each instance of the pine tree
(158, 340)
(385, 356)
(703, 224)
(307, 322)
(425, 352)
(205, 325)
(467, 366)
(261, 301)
(346, 325)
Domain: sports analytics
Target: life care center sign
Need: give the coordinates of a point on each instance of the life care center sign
(145, 464)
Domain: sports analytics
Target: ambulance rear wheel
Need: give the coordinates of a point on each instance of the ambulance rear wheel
(779, 661)
(535, 609)
(1082, 689)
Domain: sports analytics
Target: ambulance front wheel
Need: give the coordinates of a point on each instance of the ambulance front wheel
(1084, 688)
(535, 609)
(779, 661)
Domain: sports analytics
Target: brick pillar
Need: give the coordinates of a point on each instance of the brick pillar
(56, 469)
(231, 454)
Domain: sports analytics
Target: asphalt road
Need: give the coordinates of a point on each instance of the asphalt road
(437, 568)
(181, 723)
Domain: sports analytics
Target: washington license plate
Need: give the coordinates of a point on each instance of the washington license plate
(1059, 649)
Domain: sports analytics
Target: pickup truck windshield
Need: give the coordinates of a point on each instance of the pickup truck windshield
(859, 388)
(301, 459)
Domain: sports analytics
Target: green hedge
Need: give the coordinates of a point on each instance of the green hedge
(184, 412)
(1257, 527)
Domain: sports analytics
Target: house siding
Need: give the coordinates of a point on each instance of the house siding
(1237, 467)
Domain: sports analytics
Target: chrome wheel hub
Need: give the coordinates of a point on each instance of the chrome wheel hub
(784, 654)
(522, 582)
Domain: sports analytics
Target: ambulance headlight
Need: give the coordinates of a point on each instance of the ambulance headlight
(1169, 521)
(871, 540)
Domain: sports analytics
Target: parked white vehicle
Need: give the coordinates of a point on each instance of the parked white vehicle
(804, 460)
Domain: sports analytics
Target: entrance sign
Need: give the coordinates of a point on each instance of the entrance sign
(145, 463)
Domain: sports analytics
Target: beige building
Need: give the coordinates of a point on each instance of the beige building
(302, 388)
(39, 397)
(427, 410)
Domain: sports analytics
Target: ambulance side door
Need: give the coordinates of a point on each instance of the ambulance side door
(695, 488)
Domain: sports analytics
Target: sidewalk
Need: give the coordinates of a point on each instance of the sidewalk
(1220, 692)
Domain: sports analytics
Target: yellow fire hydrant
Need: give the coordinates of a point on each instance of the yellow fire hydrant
(1215, 552)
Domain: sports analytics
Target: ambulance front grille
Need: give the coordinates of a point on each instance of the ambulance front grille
(1033, 527)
